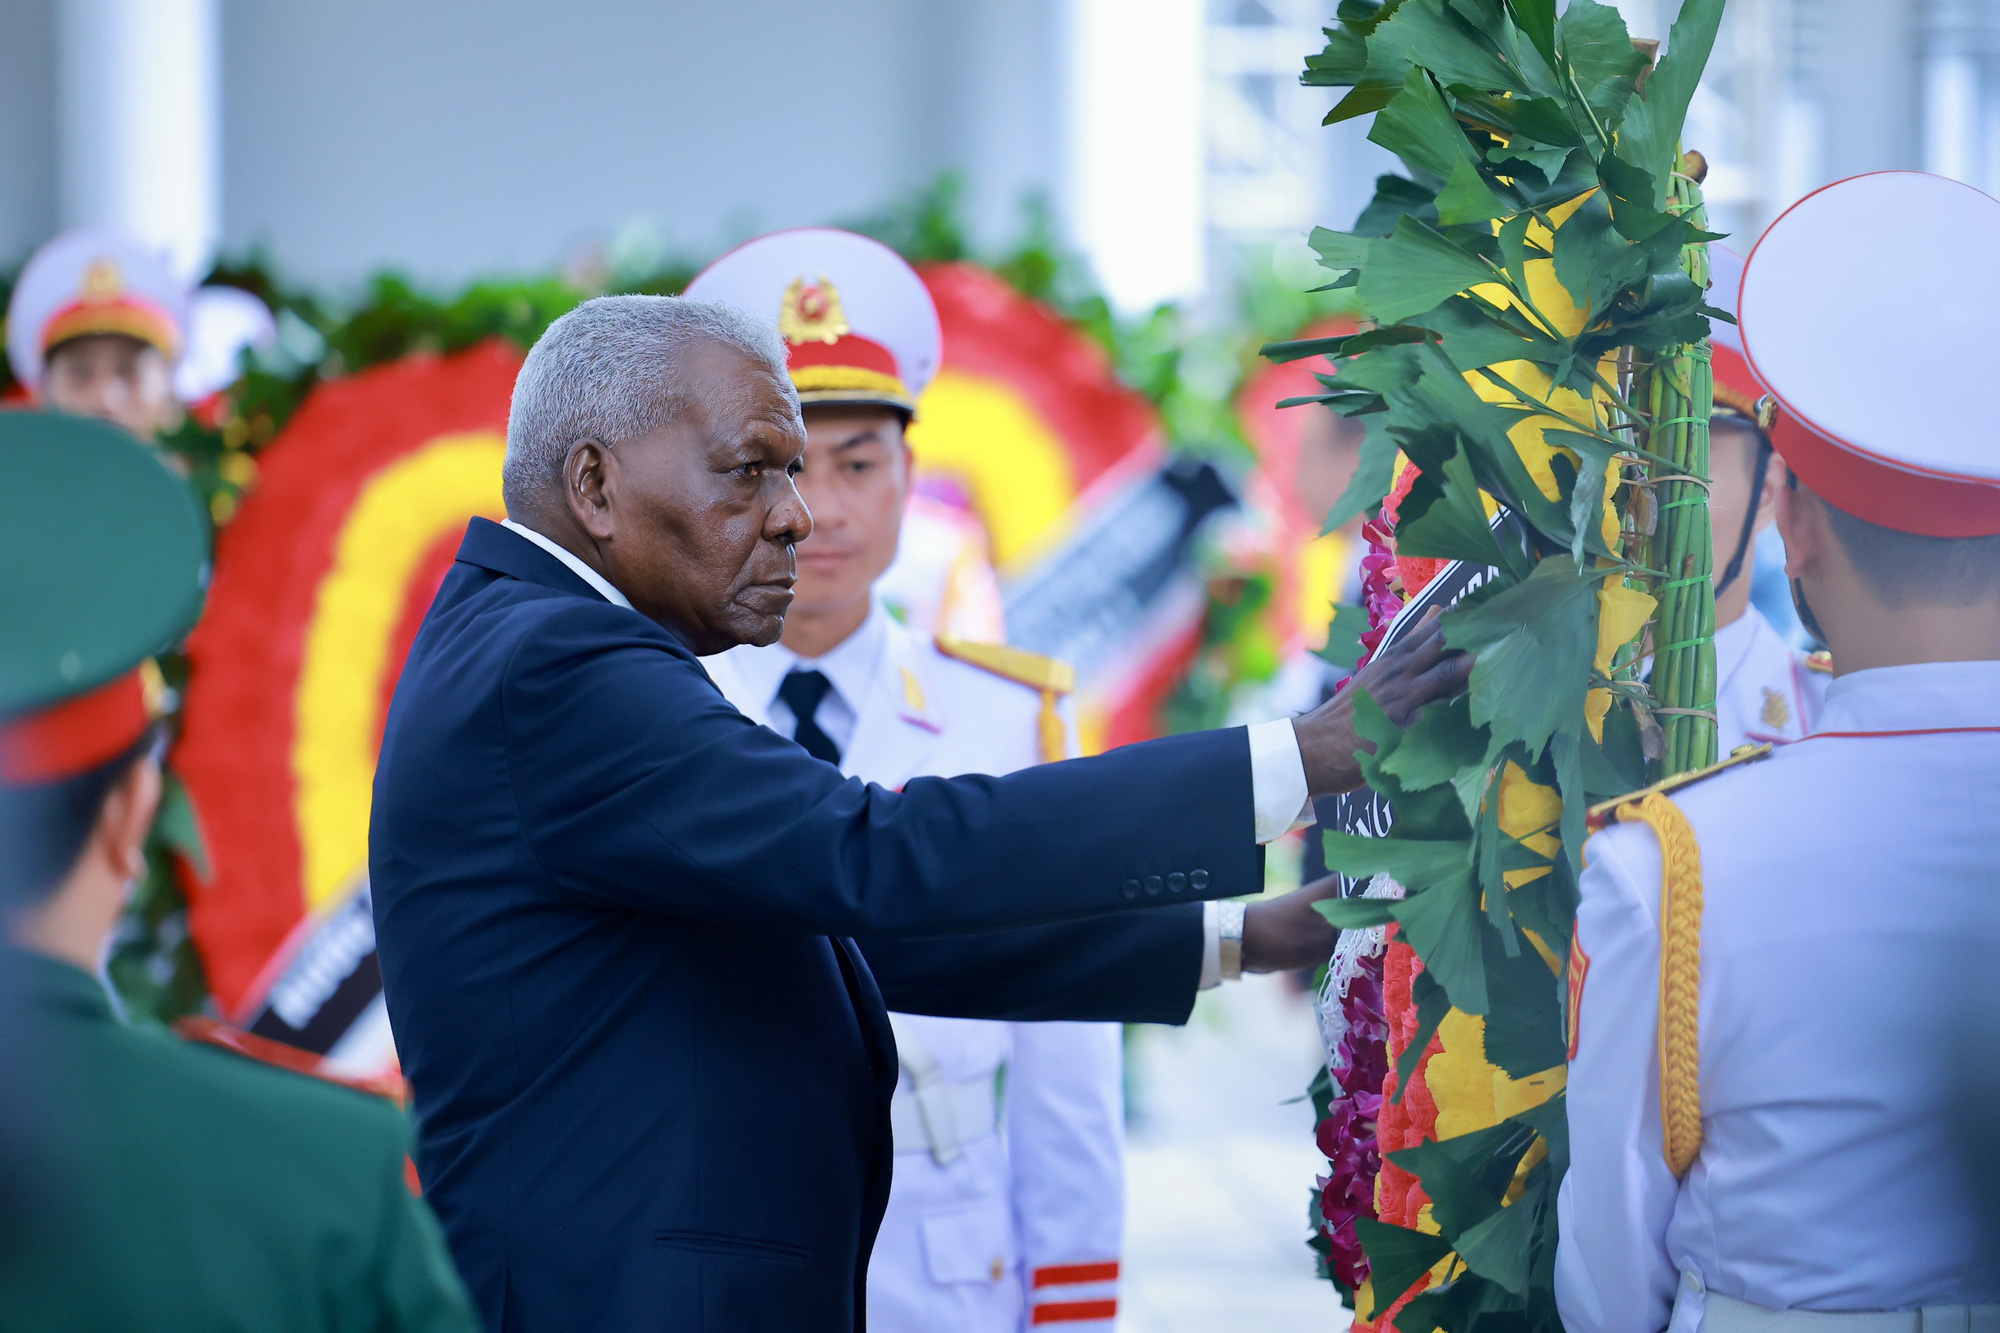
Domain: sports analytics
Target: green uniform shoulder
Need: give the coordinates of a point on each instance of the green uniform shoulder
(1048, 674)
(1606, 812)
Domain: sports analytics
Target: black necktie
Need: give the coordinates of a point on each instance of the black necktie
(802, 692)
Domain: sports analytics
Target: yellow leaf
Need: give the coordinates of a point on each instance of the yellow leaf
(1622, 613)
(1528, 810)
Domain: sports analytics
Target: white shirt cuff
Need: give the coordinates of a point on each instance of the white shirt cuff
(1278, 795)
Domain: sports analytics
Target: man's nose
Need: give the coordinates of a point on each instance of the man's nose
(789, 519)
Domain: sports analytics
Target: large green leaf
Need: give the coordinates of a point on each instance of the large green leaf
(1551, 1121)
(1466, 198)
(1524, 1033)
(1343, 61)
(1427, 33)
(1418, 127)
(1437, 746)
(1467, 1176)
(1407, 860)
(1598, 49)
(1592, 261)
(1356, 913)
(1651, 136)
(1397, 1256)
(1465, 1304)
(1538, 22)
(1433, 1005)
(1415, 270)
(1343, 637)
(1339, 250)
(1492, 884)
(1533, 643)
(1475, 334)
(1442, 516)
(1500, 1247)
(1442, 923)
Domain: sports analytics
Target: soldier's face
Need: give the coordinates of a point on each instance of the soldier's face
(1732, 465)
(856, 482)
(114, 378)
(696, 522)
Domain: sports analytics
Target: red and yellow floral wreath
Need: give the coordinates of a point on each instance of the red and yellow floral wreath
(320, 584)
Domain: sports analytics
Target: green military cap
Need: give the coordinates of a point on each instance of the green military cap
(103, 561)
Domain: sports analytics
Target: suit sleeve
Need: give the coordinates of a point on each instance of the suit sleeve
(1066, 1150)
(638, 785)
(1613, 1274)
(1134, 967)
(417, 1286)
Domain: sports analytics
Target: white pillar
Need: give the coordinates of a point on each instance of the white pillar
(1955, 39)
(139, 122)
(1139, 156)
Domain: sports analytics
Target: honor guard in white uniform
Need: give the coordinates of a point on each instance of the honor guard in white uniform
(1767, 691)
(1007, 1208)
(96, 325)
(1772, 965)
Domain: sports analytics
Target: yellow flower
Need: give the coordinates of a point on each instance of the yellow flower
(1529, 812)
(1621, 613)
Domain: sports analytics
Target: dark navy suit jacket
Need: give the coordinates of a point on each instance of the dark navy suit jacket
(651, 1067)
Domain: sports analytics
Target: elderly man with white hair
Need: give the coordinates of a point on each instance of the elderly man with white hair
(617, 919)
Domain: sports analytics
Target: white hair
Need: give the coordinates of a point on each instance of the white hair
(606, 371)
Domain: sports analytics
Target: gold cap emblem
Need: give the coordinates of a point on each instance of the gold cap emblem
(102, 279)
(812, 312)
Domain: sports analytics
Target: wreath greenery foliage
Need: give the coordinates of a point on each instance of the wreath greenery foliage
(1534, 285)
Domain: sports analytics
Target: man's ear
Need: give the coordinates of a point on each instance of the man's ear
(1802, 524)
(1768, 499)
(122, 825)
(589, 483)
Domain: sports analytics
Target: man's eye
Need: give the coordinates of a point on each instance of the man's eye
(750, 470)
(795, 468)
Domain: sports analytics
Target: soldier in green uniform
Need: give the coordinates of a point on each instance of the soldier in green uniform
(182, 1186)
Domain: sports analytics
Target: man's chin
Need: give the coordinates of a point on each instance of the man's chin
(766, 631)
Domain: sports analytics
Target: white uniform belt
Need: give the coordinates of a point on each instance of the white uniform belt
(1724, 1315)
(973, 1110)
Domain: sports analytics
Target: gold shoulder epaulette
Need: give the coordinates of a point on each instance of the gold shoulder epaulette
(1603, 813)
(1015, 664)
(1821, 661)
(1052, 677)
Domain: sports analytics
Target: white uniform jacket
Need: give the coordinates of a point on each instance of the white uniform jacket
(1025, 1224)
(1767, 692)
(1852, 910)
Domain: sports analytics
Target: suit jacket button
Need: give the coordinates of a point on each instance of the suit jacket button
(1198, 880)
(1154, 884)
(1177, 883)
(1130, 888)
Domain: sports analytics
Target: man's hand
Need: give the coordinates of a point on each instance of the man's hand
(1285, 934)
(1401, 679)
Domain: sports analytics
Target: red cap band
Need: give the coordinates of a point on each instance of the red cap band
(1882, 491)
(76, 735)
(851, 351)
(1736, 385)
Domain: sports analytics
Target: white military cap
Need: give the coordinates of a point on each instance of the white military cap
(1737, 388)
(859, 323)
(1872, 311)
(89, 281)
